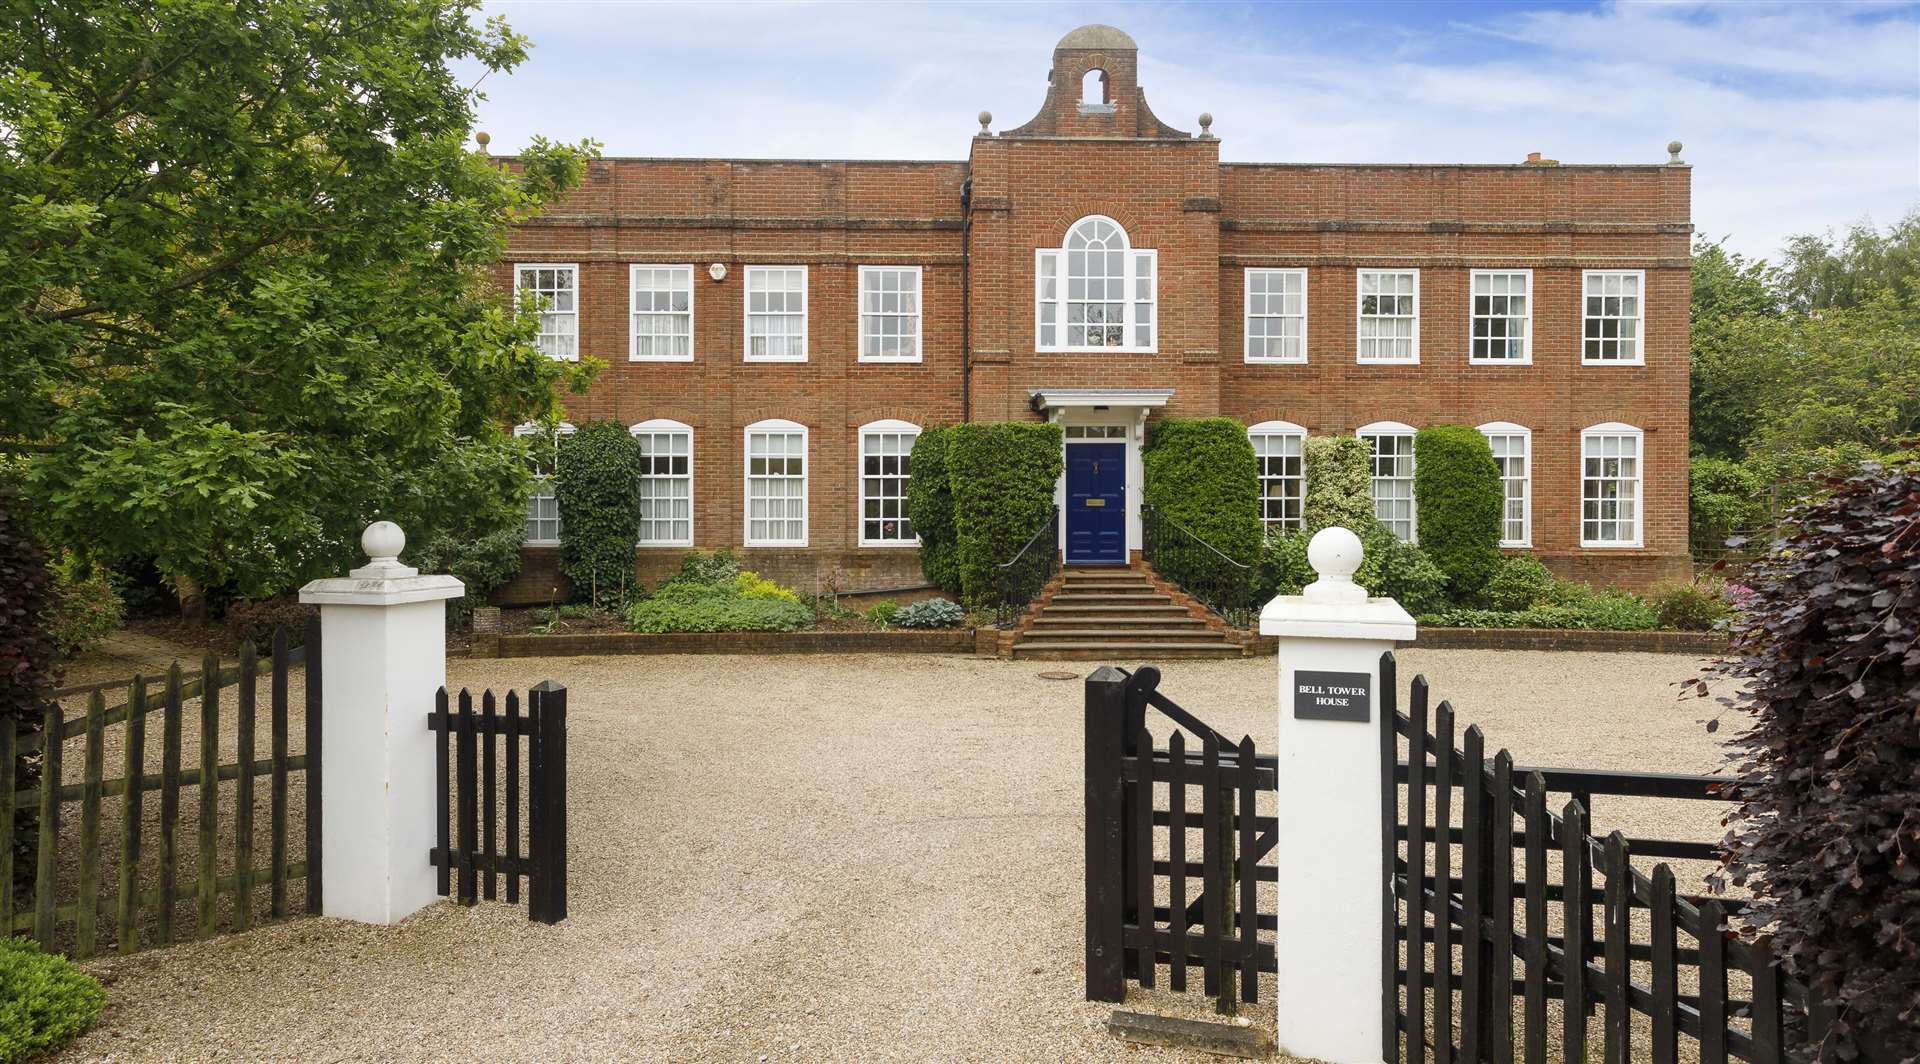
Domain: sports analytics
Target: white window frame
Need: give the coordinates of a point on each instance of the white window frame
(1639, 319)
(1413, 359)
(1133, 257)
(1394, 428)
(1525, 435)
(1282, 429)
(572, 268)
(1526, 329)
(633, 313)
(746, 313)
(530, 429)
(919, 314)
(663, 427)
(1639, 437)
(774, 426)
(889, 425)
(1247, 316)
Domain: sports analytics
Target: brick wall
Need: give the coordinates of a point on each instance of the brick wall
(1208, 222)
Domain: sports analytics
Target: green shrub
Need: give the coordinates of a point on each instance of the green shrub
(930, 508)
(252, 624)
(1566, 605)
(1400, 571)
(44, 1000)
(1339, 484)
(1201, 473)
(482, 562)
(1283, 566)
(930, 613)
(881, 614)
(599, 510)
(1723, 498)
(1458, 495)
(1521, 581)
(708, 567)
(29, 664)
(1696, 607)
(85, 608)
(752, 585)
(1002, 474)
(686, 606)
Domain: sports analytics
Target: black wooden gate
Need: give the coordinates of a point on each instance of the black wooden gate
(1141, 908)
(480, 839)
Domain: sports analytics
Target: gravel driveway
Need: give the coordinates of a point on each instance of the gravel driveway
(859, 857)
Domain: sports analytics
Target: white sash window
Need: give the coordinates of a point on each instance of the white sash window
(1393, 502)
(776, 484)
(1096, 293)
(665, 483)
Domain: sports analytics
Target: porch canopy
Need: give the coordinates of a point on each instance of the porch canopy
(1055, 402)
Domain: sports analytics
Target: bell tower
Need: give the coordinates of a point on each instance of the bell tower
(1093, 90)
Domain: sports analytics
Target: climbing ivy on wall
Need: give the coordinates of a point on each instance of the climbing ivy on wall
(1339, 484)
(599, 510)
(1002, 476)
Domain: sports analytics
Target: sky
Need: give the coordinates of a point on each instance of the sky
(1797, 118)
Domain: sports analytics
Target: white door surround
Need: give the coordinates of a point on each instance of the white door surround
(1124, 407)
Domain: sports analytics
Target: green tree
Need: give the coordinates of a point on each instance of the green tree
(1818, 272)
(243, 285)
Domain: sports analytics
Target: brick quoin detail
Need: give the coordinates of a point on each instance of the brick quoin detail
(1209, 222)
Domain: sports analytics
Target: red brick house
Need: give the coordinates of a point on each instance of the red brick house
(778, 330)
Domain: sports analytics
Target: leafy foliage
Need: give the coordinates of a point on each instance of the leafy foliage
(45, 1001)
(1723, 497)
(930, 507)
(1201, 472)
(881, 614)
(1520, 582)
(1696, 607)
(1609, 611)
(86, 608)
(1456, 487)
(1390, 569)
(483, 560)
(29, 658)
(1339, 484)
(599, 510)
(1825, 660)
(713, 594)
(1002, 475)
(930, 613)
(243, 287)
(252, 624)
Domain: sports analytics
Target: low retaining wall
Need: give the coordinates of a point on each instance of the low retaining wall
(1699, 644)
(946, 641)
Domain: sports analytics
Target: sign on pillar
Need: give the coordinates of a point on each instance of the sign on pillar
(383, 628)
(1329, 987)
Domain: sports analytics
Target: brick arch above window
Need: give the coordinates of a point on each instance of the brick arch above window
(1097, 292)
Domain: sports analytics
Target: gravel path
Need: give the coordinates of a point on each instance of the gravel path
(858, 857)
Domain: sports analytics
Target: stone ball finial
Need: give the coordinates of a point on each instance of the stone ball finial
(986, 119)
(1206, 124)
(1335, 554)
(383, 541)
(1673, 151)
(482, 139)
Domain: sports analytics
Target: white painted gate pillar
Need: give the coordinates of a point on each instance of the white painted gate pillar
(383, 630)
(1330, 836)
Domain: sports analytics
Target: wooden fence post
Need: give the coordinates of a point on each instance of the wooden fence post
(549, 901)
(47, 862)
(1106, 698)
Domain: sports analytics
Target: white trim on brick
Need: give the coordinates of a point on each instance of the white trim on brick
(1247, 315)
(1638, 319)
(634, 312)
(1474, 316)
(917, 314)
(1507, 430)
(561, 344)
(1138, 297)
(747, 276)
(1396, 430)
(1624, 476)
(1281, 430)
(1412, 358)
(908, 433)
(535, 518)
(785, 430)
(657, 428)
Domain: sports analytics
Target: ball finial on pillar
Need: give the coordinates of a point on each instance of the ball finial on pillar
(383, 541)
(1335, 554)
(986, 120)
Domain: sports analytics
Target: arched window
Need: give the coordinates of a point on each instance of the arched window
(1393, 503)
(886, 465)
(1095, 293)
(1279, 450)
(1513, 452)
(543, 504)
(1093, 88)
(776, 484)
(665, 483)
(1610, 485)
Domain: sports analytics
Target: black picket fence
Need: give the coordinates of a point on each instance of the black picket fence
(1142, 911)
(479, 784)
(1468, 978)
(70, 903)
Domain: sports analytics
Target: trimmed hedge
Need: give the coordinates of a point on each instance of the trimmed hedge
(1201, 473)
(29, 666)
(930, 508)
(1458, 495)
(1339, 484)
(599, 510)
(44, 1000)
(1002, 476)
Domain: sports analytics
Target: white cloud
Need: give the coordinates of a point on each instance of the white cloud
(1796, 117)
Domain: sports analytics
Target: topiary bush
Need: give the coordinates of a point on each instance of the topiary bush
(930, 508)
(1825, 661)
(1200, 471)
(599, 510)
(1002, 476)
(29, 663)
(44, 1000)
(930, 613)
(1458, 495)
(482, 562)
(1519, 583)
(1339, 484)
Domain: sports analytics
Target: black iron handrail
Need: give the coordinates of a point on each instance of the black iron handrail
(1219, 581)
(1019, 579)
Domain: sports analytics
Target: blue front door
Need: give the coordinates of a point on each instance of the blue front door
(1096, 504)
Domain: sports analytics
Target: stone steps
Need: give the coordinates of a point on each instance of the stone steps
(1119, 614)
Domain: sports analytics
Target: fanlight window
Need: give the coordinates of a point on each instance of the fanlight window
(1097, 292)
